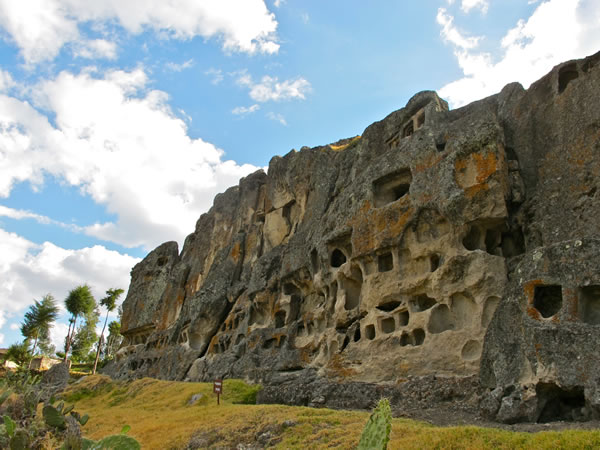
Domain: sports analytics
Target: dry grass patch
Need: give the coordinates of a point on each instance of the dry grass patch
(160, 418)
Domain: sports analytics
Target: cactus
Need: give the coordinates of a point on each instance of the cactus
(376, 433)
(53, 417)
(20, 441)
(5, 396)
(83, 419)
(9, 426)
(119, 441)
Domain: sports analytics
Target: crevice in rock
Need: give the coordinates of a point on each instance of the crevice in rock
(559, 404)
(566, 74)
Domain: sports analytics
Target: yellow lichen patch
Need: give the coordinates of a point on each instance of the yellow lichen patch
(339, 148)
(160, 418)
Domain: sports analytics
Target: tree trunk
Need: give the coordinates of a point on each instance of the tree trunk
(33, 351)
(100, 344)
(70, 338)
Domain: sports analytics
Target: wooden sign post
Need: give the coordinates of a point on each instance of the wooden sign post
(218, 389)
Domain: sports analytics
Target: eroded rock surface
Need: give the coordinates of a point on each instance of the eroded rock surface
(440, 244)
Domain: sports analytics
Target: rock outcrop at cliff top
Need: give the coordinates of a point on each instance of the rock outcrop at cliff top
(440, 245)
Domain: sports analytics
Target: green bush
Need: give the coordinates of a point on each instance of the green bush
(238, 392)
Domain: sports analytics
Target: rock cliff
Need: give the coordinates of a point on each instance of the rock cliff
(451, 249)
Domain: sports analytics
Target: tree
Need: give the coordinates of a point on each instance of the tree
(18, 353)
(80, 301)
(39, 319)
(85, 337)
(110, 303)
(114, 338)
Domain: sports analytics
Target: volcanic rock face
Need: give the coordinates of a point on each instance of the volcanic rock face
(439, 243)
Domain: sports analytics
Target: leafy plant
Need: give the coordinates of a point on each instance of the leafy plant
(80, 301)
(39, 319)
(376, 434)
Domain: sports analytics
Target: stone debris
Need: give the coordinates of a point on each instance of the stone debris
(446, 246)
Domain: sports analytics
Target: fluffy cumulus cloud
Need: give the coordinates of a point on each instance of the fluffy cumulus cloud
(271, 89)
(41, 28)
(29, 271)
(558, 30)
(121, 143)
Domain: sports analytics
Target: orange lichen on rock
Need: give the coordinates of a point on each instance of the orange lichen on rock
(374, 226)
(473, 171)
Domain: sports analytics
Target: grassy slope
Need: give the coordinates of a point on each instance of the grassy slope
(160, 418)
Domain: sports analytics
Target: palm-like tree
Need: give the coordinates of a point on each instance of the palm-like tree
(39, 319)
(110, 303)
(80, 301)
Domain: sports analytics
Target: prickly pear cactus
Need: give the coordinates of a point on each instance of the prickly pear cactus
(117, 441)
(376, 433)
(53, 417)
(20, 440)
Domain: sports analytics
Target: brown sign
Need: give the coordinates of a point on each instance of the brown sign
(218, 387)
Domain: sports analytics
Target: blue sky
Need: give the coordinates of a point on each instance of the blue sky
(120, 121)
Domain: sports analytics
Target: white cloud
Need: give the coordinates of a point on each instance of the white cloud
(216, 74)
(95, 48)
(128, 152)
(245, 110)
(40, 28)
(451, 34)
(58, 333)
(14, 326)
(557, 31)
(271, 89)
(277, 118)
(20, 214)
(468, 5)
(180, 67)
(305, 18)
(6, 81)
(2, 322)
(29, 271)
(278, 3)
